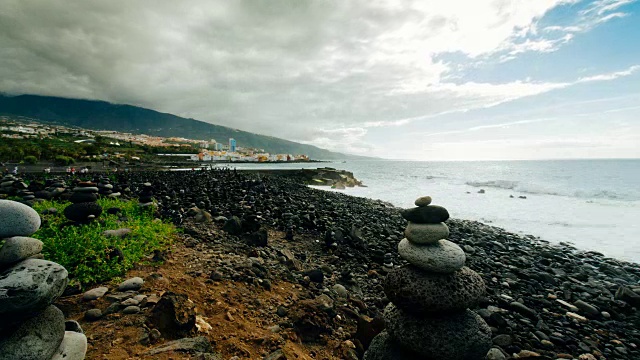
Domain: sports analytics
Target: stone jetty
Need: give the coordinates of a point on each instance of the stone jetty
(429, 316)
(31, 328)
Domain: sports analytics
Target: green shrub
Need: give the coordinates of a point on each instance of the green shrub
(31, 160)
(87, 254)
(62, 160)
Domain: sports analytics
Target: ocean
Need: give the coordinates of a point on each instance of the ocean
(592, 204)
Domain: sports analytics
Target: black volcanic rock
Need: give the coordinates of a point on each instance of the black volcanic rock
(82, 211)
(418, 291)
(430, 214)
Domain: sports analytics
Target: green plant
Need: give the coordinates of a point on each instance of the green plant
(87, 254)
(62, 160)
(31, 160)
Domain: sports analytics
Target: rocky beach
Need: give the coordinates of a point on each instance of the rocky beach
(258, 234)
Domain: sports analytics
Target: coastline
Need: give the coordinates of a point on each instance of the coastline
(554, 300)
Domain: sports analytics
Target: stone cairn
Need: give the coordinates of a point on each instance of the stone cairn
(84, 207)
(31, 328)
(146, 195)
(428, 317)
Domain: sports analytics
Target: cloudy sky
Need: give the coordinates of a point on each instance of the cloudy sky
(424, 79)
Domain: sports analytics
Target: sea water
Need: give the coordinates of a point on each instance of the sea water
(593, 204)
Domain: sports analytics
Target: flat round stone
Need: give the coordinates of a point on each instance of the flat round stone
(30, 286)
(430, 214)
(18, 248)
(457, 336)
(423, 201)
(36, 338)
(426, 233)
(420, 292)
(442, 257)
(17, 219)
(135, 283)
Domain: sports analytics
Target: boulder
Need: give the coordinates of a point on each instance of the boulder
(452, 336)
(36, 338)
(420, 292)
(17, 219)
(30, 286)
(174, 315)
(442, 257)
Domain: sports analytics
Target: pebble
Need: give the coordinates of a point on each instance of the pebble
(443, 257)
(17, 219)
(131, 284)
(93, 314)
(423, 201)
(131, 310)
(94, 294)
(18, 248)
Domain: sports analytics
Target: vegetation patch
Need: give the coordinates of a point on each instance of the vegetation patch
(88, 254)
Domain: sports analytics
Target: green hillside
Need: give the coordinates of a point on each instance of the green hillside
(101, 115)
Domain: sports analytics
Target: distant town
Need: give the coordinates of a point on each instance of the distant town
(213, 150)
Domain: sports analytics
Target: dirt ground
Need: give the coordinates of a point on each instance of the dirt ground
(240, 319)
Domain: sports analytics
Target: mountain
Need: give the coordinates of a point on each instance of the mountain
(101, 115)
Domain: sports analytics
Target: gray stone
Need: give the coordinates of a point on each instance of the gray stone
(453, 336)
(130, 302)
(134, 283)
(93, 314)
(496, 354)
(121, 296)
(426, 233)
(190, 345)
(340, 290)
(502, 340)
(18, 248)
(121, 233)
(587, 308)
(421, 292)
(73, 347)
(442, 257)
(17, 219)
(31, 286)
(96, 293)
(36, 338)
(430, 214)
(131, 310)
(423, 201)
(383, 347)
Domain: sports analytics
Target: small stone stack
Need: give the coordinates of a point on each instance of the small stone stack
(104, 187)
(84, 207)
(32, 328)
(428, 317)
(146, 195)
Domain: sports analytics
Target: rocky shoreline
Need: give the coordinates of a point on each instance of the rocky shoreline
(543, 301)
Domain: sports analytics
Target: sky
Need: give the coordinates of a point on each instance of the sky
(398, 79)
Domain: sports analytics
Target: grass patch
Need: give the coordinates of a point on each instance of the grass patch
(85, 252)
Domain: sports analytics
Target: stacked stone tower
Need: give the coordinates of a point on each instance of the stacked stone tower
(84, 207)
(146, 195)
(31, 328)
(428, 317)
